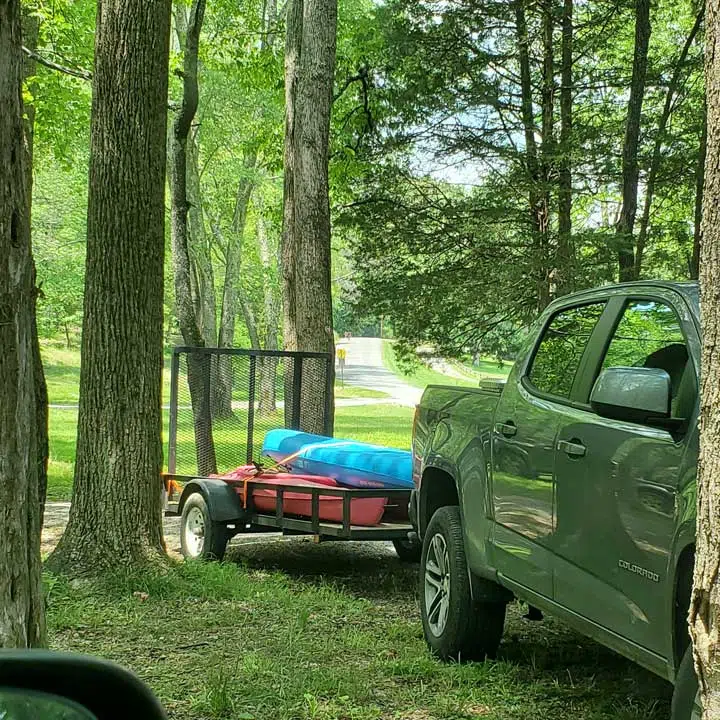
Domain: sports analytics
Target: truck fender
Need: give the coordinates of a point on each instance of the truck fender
(222, 500)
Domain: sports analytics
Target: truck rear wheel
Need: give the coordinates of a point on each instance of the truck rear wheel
(455, 627)
(686, 697)
(201, 538)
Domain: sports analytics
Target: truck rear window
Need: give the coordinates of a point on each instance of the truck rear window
(561, 348)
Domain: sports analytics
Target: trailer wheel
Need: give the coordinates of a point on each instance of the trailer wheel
(408, 550)
(455, 627)
(201, 538)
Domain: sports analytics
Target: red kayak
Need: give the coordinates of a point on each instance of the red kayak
(363, 511)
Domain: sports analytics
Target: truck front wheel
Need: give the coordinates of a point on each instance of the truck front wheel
(201, 538)
(455, 627)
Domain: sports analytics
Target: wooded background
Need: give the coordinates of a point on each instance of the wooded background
(485, 157)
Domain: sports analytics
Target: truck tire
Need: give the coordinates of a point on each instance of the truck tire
(408, 550)
(686, 699)
(455, 627)
(201, 538)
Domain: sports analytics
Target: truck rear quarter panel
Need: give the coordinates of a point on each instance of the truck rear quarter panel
(453, 438)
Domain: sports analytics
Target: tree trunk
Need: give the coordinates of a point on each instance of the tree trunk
(115, 517)
(30, 32)
(659, 140)
(223, 387)
(548, 140)
(293, 44)
(202, 277)
(199, 246)
(309, 79)
(268, 367)
(699, 184)
(536, 197)
(705, 606)
(198, 364)
(22, 616)
(566, 246)
(630, 167)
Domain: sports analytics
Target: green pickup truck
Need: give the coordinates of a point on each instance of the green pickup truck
(571, 486)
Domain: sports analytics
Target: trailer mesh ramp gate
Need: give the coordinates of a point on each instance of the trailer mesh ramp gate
(224, 400)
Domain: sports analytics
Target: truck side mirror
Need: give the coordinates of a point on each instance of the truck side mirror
(633, 394)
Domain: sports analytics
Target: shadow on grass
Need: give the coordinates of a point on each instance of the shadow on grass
(368, 570)
(545, 652)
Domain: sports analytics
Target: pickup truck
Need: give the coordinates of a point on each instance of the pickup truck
(571, 486)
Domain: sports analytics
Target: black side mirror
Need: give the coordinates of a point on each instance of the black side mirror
(632, 393)
(59, 686)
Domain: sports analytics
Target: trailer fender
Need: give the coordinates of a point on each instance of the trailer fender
(222, 501)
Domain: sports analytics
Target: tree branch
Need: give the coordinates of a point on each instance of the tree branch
(82, 74)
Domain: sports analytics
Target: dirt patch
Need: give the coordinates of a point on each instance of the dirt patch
(56, 517)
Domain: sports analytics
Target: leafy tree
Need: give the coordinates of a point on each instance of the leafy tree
(480, 199)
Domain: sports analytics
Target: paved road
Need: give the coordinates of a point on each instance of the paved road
(364, 368)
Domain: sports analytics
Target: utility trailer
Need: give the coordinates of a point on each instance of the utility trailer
(202, 429)
(213, 510)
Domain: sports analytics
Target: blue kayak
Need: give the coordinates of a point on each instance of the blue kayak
(350, 463)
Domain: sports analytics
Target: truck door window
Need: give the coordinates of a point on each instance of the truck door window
(561, 348)
(649, 335)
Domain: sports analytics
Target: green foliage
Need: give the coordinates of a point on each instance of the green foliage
(558, 356)
(59, 200)
(439, 222)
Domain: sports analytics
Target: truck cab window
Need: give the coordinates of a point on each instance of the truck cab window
(649, 335)
(561, 348)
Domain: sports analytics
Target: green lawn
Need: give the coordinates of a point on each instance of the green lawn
(351, 391)
(389, 425)
(422, 376)
(299, 631)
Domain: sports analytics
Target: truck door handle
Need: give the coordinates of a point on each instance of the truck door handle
(572, 448)
(508, 429)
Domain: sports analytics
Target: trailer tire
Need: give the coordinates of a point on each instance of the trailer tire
(201, 537)
(455, 627)
(408, 550)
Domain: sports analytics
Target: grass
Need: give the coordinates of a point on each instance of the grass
(389, 425)
(294, 630)
(352, 391)
(62, 373)
(422, 375)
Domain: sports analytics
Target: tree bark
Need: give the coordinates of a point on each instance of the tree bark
(699, 184)
(268, 367)
(231, 300)
(199, 246)
(548, 138)
(309, 78)
(115, 517)
(705, 606)
(630, 167)
(22, 616)
(198, 364)
(659, 140)
(30, 32)
(566, 246)
(536, 197)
